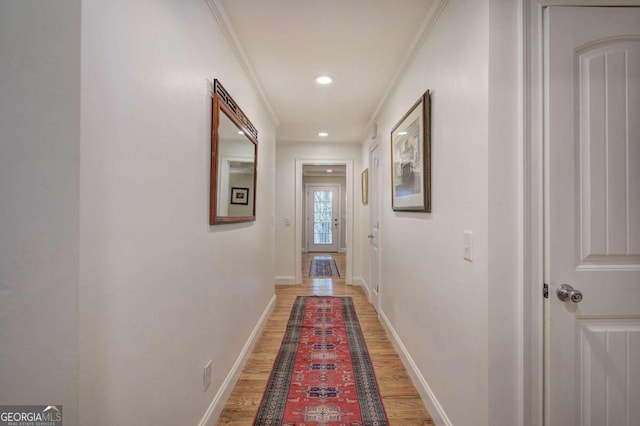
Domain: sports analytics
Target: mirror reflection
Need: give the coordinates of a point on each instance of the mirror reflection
(236, 171)
(234, 149)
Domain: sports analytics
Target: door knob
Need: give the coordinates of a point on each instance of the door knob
(566, 292)
(370, 236)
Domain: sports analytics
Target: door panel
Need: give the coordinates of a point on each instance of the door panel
(592, 214)
(610, 165)
(608, 349)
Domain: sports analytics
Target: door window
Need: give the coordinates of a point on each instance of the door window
(322, 217)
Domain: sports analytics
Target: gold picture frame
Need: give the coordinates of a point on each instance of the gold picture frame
(365, 186)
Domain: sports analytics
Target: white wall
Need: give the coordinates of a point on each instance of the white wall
(461, 322)
(505, 218)
(161, 290)
(39, 172)
(286, 155)
(434, 300)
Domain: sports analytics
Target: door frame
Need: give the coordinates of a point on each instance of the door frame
(299, 222)
(308, 187)
(530, 64)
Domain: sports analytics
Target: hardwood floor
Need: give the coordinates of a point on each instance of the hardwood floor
(400, 397)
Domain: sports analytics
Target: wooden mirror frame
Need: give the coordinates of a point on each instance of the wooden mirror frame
(223, 103)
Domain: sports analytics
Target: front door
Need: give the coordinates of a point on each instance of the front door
(592, 215)
(323, 233)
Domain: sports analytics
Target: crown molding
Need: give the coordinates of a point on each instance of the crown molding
(221, 16)
(428, 23)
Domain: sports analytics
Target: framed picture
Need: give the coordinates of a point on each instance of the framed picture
(411, 159)
(240, 196)
(365, 186)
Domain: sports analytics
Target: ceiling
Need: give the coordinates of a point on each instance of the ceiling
(362, 44)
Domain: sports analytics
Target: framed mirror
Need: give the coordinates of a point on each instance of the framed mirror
(234, 154)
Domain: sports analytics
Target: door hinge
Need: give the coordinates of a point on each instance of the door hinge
(545, 291)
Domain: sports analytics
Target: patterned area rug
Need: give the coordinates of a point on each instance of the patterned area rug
(323, 268)
(322, 374)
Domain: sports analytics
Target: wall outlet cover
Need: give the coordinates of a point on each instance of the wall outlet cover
(206, 381)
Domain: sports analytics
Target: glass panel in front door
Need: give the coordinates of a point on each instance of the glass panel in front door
(322, 217)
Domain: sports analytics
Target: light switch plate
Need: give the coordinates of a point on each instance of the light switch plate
(287, 221)
(206, 380)
(468, 246)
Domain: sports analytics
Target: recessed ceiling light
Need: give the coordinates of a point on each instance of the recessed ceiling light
(240, 132)
(323, 134)
(402, 133)
(323, 79)
(329, 171)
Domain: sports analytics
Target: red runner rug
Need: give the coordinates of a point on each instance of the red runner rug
(323, 373)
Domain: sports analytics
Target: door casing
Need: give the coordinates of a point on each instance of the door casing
(299, 222)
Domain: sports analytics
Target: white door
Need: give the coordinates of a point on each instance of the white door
(323, 218)
(592, 215)
(374, 226)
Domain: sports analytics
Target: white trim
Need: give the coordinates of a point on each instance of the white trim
(220, 14)
(288, 280)
(343, 249)
(428, 397)
(298, 223)
(427, 25)
(220, 399)
(533, 410)
(523, 391)
(532, 361)
(360, 281)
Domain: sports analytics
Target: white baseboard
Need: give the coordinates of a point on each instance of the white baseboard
(427, 395)
(362, 283)
(286, 280)
(220, 399)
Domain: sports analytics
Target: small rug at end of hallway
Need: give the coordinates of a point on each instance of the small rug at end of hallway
(323, 268)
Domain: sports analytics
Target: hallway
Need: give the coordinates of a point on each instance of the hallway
(121, 301)
(401, 400)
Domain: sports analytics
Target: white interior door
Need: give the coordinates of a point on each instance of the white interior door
(592, 215)
(323, 218)
(374, 226)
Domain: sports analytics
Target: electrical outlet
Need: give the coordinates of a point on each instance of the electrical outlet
(206, 380)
